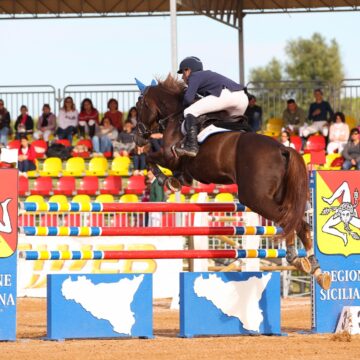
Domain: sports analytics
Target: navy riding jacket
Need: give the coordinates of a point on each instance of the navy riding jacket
(208, 83)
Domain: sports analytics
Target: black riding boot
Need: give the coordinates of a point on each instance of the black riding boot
(190, 147)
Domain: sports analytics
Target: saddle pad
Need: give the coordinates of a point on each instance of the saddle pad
(210, 130)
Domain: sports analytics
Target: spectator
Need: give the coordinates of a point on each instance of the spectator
(67, 120)
(254, 114)
(46, 124)
(351, 152)
(157, 194)
(124, 143)
(114, 114)
(293, 116)
(139, 159)
(105, 134)
(4, 124)
(132, 116)
(338, 134)
(88, 118)
(320, 112)
(24, 123)
(156, 142)
(26, 158)
(285, 139)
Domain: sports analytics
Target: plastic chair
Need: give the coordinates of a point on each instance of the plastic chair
(82, 199)
(66, 186)
(64, 142)
(224, 197)
(315, 143)
(34, 173)
(228, 188)
(129, 198)
(166, 171)
(105, 198)
(172, 198)
(42, 186)
(296, 140)
(40, 147)
(23, 186)
(62, 199)
(89, 185)
(351, 121)
(74, 166)
(186, 190)
(208, 188)
(111, 185)
(333, 162)
(14, 144)
(194, 198)
(86, 142)
(35, 198)
(135, 185)
(97, 167)
(52, 167)
(120, 166)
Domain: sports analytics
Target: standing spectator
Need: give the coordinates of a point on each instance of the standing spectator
(285, 139)
(88, 118)
(24, 123)
(132, 116)
(46, 124)
(351, 152)
(293, 116)
(105, 134)
(124, 143)
(4, 124)
(67, 120)
(320, 112)
(157, 194)
(338, 134)
(26, 158)
(254, 114)
(114, 114)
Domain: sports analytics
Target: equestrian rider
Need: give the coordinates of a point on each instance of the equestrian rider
(218, 93)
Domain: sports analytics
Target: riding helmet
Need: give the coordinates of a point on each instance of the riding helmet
(191, 62)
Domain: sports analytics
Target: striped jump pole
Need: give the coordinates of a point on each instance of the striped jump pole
(155, 254)
(148, 231)
(133, 207)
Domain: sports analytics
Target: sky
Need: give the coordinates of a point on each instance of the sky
(115, 50)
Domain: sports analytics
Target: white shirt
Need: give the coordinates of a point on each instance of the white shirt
(67, 118)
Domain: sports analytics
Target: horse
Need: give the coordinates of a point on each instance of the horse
(272, 179)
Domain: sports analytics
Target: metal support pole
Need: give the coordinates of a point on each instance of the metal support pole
(173, 36)
(241, 49)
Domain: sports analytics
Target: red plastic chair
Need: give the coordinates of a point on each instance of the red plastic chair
(14, 144)
(40, 147)
(111, 185)
(66, 185)
(86, 142)
(135, 185)
(186, 190)
(296, 140)
(315, 143)
(23, 186)
(64, 142)
(208, 188)
(89, 185)
(228, 188)
(42, 186)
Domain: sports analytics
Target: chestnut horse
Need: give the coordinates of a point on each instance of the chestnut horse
(272, 179)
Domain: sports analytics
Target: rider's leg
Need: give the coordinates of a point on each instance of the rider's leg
(191, 146)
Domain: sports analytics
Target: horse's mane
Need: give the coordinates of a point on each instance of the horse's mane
(172, 85)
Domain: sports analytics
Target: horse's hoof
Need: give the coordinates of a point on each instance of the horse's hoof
(173, 184)
(302, 264)
(324, 280)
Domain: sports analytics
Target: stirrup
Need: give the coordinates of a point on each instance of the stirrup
(183, 151)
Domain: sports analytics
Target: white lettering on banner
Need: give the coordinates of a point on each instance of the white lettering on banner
(345, 275)
(5, 280)
(340, 294)
(7, 300)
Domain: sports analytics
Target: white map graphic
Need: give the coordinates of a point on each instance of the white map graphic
(107, 301)
(235, 298)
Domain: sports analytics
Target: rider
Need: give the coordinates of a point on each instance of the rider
(218, 93)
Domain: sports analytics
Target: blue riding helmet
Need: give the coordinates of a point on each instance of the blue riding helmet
(191, 62)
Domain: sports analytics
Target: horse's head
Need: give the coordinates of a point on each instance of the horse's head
(156, 104)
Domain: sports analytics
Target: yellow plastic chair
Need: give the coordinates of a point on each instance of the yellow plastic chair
(351, 121)
(307, 158)
(52, 167)
(126, 198)
(75, 166)
(35, 198)
(105, 198)
(329, 159)
(34, 173)
(194, 198)
(97, 167)
(224, 197)
(120, 166)
(166, 171)
(172, 198)
(62, 199)
(82, 198)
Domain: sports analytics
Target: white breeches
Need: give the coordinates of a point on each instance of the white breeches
(235, 103)
(316, 126)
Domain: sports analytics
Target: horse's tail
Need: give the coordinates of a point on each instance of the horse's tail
(296, 192)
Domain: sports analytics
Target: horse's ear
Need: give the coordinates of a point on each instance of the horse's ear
(153, 82)
(140, 85)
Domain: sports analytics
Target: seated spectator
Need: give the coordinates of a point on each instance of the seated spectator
(254, 114)
(351, 152)
(132, 116)
(105, 134)
(114, 114)
(338, 134)
(67, 120)
(88, 118)
(124, 144)
(320, 112)
(156, 142)
(46, 124)
(285, 139)
(24, 123)
(139, 159)
(4, 124)
(26, 158)
(294, 117)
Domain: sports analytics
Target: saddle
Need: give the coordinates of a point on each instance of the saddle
(223, 120)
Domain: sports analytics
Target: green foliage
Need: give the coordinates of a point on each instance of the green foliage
(271, 73)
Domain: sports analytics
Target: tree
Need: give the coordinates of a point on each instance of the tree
(269, 73)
